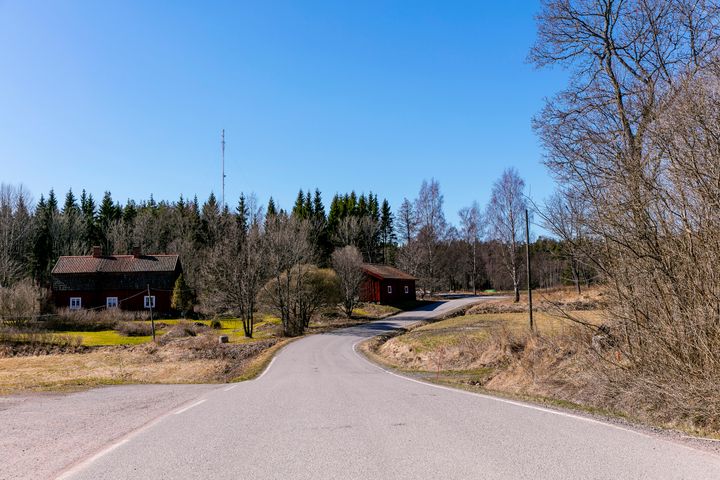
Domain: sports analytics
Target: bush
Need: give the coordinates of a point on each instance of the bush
(134, 329)
(90, 320)
(18, 304)
(182, 330)
(216, 324)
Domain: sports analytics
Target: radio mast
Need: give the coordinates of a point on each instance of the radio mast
(222, 144)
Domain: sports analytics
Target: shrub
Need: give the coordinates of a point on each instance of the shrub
(18, 304)
(90, 320)
(134, 329)
(182, 330)
(216, 324)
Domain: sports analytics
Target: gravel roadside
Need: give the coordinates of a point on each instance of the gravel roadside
(42, 434)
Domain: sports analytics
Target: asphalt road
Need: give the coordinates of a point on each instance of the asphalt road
(321, 411)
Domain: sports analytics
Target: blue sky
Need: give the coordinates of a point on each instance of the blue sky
(131, 96)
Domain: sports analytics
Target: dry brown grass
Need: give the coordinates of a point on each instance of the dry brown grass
(563, 362)
(104, 366)
(199, 359)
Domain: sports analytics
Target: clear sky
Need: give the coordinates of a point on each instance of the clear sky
(131, 96)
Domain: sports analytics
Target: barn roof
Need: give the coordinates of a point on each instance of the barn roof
(116, 264)
(385, 272)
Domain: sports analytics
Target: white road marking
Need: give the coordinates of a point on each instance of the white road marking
(122, 441)
(528, 406)
(229, 388)
(190, 406)
(90, 460)
(266, 369)
(498, 399)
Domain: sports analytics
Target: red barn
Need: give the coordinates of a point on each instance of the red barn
(386, 284)
(115, 281)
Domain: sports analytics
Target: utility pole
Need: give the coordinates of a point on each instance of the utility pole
(527, 260)
(222, 143)
(152, 321)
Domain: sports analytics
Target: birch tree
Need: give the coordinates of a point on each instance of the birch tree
(505, 215)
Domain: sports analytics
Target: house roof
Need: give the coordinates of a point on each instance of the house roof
(116, 264)
(385, 272)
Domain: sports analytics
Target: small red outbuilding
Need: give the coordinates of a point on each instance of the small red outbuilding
(386, 284)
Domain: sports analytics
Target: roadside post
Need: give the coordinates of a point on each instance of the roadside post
(150, 303)
(527, 260)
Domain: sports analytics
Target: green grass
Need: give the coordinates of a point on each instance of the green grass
(231, 327)
(106, 337)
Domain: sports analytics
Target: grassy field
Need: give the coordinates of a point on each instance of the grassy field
(108, 357)
(477, 327)
(105, 366)
(231, 327)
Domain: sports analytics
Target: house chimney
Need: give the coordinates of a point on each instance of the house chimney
(137, 253)
(97, 251)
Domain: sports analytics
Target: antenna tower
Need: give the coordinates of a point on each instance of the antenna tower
(222, 143)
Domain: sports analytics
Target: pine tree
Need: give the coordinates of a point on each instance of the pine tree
(387, 232)
(52, 203)
(42, 242)
(182, 297)
(299, 210)
(90, 230)
(243, 218)
(308, 205)
(108, 214)
(271, 209)
(70, 207)
(318, 207)
(362, 206)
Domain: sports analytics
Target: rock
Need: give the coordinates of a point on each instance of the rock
(224, 339)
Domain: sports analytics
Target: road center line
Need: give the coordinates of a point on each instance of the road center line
(190, 406)
(229, 388)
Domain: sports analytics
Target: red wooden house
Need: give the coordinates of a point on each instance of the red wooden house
(115, 281)
(386, 284)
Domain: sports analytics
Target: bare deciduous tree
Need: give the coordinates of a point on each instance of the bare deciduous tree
(505, 215)
(347, 262)
(635, 136)
(564, 216)
(432, 227)
(289, 256)
(15, 232)
(472, 229)
(234, 273)
(19, 303)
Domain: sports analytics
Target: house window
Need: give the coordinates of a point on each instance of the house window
(111, 302)
(75, 303)
(150, 301)
(407, 289)
(389, 288)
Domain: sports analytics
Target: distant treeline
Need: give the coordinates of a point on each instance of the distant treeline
(416, 237)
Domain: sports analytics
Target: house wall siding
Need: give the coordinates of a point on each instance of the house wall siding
(129, 288)
(376, 290)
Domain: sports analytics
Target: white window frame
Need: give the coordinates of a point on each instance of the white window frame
(75, 303)
(149, 301)
(111, 302)
(389, 289)
(407, 289)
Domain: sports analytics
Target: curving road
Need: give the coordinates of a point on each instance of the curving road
(321, 411)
